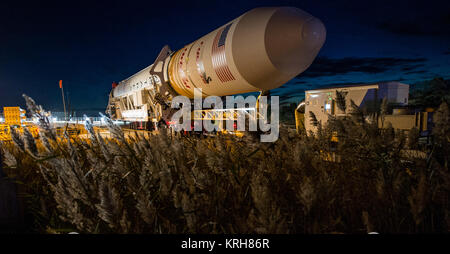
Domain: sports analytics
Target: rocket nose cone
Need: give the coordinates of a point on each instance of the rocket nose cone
(314, 32)
(293, 39)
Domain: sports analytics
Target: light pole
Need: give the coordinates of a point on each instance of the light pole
(64, 103)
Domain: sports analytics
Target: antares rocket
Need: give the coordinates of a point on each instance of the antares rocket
(258, 51)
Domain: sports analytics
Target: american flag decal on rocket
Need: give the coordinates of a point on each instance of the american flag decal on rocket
(219, 60)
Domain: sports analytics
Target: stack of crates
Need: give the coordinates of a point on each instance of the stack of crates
(14, 115)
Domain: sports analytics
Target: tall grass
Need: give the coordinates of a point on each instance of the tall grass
(224, 184)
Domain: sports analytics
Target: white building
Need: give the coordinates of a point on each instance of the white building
(322, 102)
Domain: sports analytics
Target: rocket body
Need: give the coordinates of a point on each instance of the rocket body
(258, 51)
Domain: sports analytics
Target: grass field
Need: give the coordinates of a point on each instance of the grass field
(225, 184)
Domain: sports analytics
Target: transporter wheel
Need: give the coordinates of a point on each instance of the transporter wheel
(162, 124)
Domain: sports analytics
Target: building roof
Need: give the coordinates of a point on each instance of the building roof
(355, 85)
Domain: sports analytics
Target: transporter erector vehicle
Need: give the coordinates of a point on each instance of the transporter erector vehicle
(256, 52)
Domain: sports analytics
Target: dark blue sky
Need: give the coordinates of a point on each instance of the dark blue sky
(89, 44)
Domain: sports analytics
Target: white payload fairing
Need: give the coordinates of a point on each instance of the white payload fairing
(258, 51)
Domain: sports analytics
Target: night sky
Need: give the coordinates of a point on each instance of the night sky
(90, 44)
